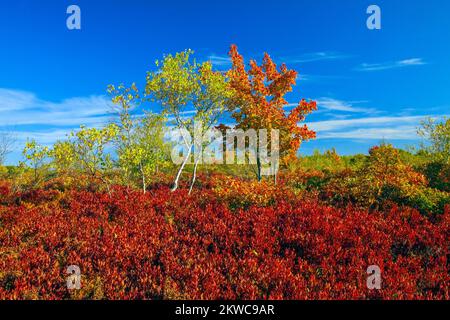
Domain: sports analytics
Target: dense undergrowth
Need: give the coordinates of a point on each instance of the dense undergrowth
(218, 243)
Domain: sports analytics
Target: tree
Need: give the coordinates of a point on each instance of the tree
(150, 151)
(437, 150)
(182, 83)
(124, 100)
(35, 156)
(63, 157)
(437, 135)
(140, 144)
(6, 145)
(89, 146)
(259, 102)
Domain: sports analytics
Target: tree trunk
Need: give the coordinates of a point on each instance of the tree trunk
(175, 183)
(194, 175)
(144, 184)
(258, 168)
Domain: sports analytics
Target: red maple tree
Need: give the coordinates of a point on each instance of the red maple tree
(259, 103)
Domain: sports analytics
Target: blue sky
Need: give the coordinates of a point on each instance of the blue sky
(370, 84)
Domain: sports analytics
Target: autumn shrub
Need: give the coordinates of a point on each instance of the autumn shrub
(164, 245)
(5, 190)
(383, 177)
(241, 194)
(3, 172)
(300, 179)
(438, 175)
(428, 201)
(342, 189)
(328, 161)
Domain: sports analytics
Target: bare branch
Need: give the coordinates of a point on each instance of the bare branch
(7, 141)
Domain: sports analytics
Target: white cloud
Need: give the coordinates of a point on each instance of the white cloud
(331, 104)
(47, 137)
(411, 62)
(329, 125)
(316, 56)
(340, 105)
(15, 100)
(26, 116)
(391, 128)
(24, 108)
(391, 65)
(220, 60)
(303, 77)
(380, 133)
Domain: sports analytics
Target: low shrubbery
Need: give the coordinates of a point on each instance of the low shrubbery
(242, 194)
(164, 245)
(438, 175)
(373, 182)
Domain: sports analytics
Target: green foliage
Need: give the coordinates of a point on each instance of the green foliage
(153, 151)
(385, 169)
(64, 157)
(438, 175)
(86, 151)
(438, 136)
(328, 161)
(427, 201)
(3, 172)
(181, 83)
(140, 144)
(36, 157)
(437, 149)
(147, 152)
(34, 153)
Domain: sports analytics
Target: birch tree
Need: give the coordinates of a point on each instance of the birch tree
(194, 95)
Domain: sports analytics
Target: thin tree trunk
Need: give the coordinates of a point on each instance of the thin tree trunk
(175, 183)
(144, 184)
(194, 175)
(258, 168)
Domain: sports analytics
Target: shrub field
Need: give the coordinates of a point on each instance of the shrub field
(163, 245)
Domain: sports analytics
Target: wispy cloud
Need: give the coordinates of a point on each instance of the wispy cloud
(315, 56)
(45, 137)
(24, 108)
(340, 105)
(396, 133)
(332, 104)
(11, 100)
(26, 116)
(391, 128)
(218, 60)
(391, 64)
(320, 77)
(330, 125)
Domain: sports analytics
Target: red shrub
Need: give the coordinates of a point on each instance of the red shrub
(4, 189)
(168, 245)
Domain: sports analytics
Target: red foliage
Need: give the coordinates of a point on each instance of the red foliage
(166, 245)
(259, 101)
(4, 189)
